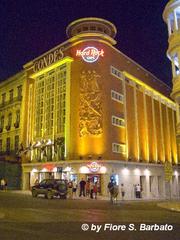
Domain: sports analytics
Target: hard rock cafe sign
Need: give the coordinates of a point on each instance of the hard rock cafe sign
(48, 59)
(94, 167)
(90, 54)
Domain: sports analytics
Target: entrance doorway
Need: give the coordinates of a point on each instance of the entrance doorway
(143, 186)
(95, 178)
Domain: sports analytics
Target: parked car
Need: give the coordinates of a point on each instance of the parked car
(51, 188)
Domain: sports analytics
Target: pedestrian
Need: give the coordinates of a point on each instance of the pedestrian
(88, 188)
(122, 191)
(2, 184)
(74, 188)
(5, 186)
(138, 191)
(95, 190)
(82, 187)
(114, 191)
(36, 182)
(110, 188)
(91, 187)
(70, 187)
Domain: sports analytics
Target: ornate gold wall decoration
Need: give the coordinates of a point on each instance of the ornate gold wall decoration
(90, 109)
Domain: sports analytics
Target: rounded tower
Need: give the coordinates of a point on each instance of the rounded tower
(171, 16)
(92, 27)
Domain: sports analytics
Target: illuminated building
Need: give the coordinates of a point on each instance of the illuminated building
(90, 111)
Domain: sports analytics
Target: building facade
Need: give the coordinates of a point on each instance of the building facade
(89, 111)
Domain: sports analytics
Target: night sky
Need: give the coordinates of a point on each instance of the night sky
(30, 28)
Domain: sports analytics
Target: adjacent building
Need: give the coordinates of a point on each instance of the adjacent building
(88, 111)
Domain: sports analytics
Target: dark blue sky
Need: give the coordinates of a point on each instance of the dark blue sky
(30, 28)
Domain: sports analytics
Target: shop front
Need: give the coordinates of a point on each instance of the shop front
(149, 177)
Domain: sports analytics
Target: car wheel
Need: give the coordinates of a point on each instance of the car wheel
(49, 195)
(34, 193)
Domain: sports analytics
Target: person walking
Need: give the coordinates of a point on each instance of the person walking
(110, 188)
(138, 191)
(74, 188)
(88, 188)
(70, 187)
(91, 187)
(3, 184)
(95, 190)
(82, 187)
(122, 191)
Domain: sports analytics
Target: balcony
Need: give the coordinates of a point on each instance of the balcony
(13, 101)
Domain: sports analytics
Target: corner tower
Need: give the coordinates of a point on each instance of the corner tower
(92, 27)
(171, 16)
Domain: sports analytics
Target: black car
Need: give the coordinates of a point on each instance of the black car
(50, 188)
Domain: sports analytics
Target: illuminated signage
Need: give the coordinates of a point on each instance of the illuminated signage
(90, 54)
(94, 167)
(48, 59)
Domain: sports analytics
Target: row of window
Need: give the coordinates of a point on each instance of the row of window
(8, 144)
(11, 95)
(117, 96)
(119, 122)
(119, 148)
(92, 28)
(116, 73)
(9, 121)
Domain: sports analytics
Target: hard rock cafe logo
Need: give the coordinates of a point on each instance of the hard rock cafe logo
(90, 54)
(94, 167)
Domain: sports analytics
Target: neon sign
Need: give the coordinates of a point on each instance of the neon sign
(90, 54)
(94, 167)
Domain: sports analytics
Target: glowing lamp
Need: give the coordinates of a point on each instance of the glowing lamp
(103, 169)
(137, 171)
(67, 169)
(84, 169)
(125, 171)
(44, 170)
(146, 171)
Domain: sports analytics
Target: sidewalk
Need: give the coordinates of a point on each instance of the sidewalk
(172, 206)
(162, 202)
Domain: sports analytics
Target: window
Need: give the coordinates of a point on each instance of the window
(117, 96)
(61, 99)
(11, 95)
(39, 105)
(18, 116)
(85, 28)
(116, 121)
(49, 102)
(3, 98)
(1, 123)
(19, 92)
(8, 145)
(93, 28)
(10, 119)
(16, 143)
(115, 72)
(1, 146)
(118, 148)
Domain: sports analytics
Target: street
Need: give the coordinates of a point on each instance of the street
(23, 217)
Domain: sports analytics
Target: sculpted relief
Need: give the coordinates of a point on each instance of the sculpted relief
(90, 110)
